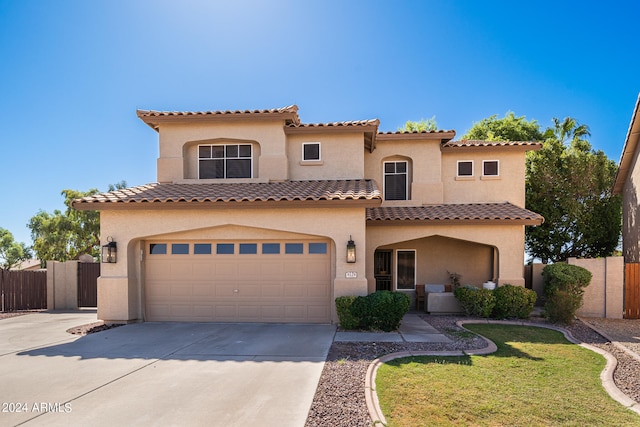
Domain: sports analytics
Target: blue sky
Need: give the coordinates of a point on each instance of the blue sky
(73, 73)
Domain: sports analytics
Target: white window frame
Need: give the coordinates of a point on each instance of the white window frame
(458, 169)
(319, 159)
(225, 158)
(498, 168)
(406, 179)
(415, 269)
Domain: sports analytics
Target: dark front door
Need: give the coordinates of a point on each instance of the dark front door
(382, 269)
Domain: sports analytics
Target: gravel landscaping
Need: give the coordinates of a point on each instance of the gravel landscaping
(339, 398)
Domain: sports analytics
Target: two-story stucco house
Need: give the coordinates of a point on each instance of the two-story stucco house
(253, 213)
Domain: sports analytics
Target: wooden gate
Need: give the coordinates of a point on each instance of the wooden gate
(88, 273)
(632, 291)
(23, 290)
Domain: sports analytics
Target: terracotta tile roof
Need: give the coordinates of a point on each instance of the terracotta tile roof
(152, 113)
(152, 118)
(212, 193)
(424, 132)
(476, 143)
(455, 212)
(353, 123)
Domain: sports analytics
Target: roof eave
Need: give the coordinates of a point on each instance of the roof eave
(441, 135)
(156, 118)
(529, 146)
(460, 221)
(628, 150)
(231, 204)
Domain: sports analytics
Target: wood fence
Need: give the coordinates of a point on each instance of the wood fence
(632, 291)
(23, 290)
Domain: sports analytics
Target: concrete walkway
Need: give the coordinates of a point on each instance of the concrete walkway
(412, 329)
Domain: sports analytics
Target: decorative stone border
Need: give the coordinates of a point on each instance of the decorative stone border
(606, 376)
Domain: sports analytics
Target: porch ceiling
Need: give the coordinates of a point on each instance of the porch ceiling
(454, 213)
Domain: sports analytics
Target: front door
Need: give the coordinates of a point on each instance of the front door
(382, 269)
(405, 270)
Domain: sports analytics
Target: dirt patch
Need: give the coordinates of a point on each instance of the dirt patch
(92, 328)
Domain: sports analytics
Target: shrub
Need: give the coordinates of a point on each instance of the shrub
(343, 307)
(563, 286)
(474, 301)
(513, 302)
(381, 310)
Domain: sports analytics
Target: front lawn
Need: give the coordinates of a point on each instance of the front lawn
(536, 378)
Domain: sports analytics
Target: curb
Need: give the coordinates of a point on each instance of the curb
(606, 376)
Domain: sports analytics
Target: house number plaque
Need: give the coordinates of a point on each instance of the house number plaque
(351, 275)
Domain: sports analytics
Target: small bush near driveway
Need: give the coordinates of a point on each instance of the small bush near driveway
(381, 310)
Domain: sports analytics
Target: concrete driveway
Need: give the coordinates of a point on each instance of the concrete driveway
(186, 374)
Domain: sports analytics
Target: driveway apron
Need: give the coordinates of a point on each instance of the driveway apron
(186, 374)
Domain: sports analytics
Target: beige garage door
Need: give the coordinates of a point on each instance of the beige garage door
(238, 281)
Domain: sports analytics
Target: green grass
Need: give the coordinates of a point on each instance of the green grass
(536, 378)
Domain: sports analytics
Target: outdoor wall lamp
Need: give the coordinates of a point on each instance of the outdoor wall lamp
(351, 251)
(110, 251)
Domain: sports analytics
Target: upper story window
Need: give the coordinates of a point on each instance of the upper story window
(224, 161)
(395, 180)
(490, 168)
(465, 168)
(311, 152)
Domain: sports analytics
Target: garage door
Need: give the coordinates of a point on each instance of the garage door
(238, 281)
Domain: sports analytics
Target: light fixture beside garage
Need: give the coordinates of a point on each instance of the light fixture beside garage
(110, 251)
(351, 251)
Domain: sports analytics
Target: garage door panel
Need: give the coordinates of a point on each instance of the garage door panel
(203, 290)
(202, 270)
(271, 290)
(181, 290)
(271, 269)
(225, 290)
(238, 287)
(318, 290)
(317, 312)
(159, 289)
(227, 269)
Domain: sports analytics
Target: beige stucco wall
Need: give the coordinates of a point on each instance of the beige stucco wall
(62, 285)
(341, 156)
(471, 263)
(509, 186)
(178, 139)
(631, 213)
(432, 172)
(425, 182)
(604, 297)
(120, 290)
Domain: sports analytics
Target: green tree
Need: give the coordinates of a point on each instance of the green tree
(570, 184)
(508, 128)
(63, 236)
(423, 125)
(12, 253)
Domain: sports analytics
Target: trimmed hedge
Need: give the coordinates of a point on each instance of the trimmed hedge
(513, 302)
(506, 301)
(381, 310)
(475, 301)
(563, 286)
(343, 306)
